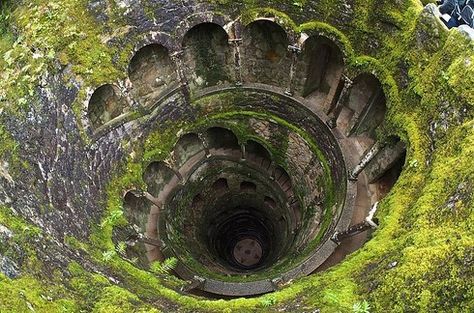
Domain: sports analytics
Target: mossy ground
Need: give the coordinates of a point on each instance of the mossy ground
(426, 220)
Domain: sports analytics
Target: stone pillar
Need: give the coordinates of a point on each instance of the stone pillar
(196, 282)
(172, 166)
(334, 114)
(237, 63)
(384, 161)
(295, 51)
(152, 199)
(368, 223)
(271, 170)
(177, 58)
(243, 152)
(365, 160)
(358, 119)
(204, 144)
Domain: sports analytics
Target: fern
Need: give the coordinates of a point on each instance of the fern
(361, 307)
(164, 267)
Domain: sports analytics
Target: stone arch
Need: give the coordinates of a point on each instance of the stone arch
(221, 185)
(137, 210)
(200, 18)
(282, 20)
(247, 186)
(366, 64)
(322, 65)
(366, 106)
(311, 29)
(284, 180)
(152, 38)
(221, 138)
(258, 153)
(265, 57)
(207, 55)
(105, 104)
(157, 175)
(151, 73)
(269, 201)
(187, 146)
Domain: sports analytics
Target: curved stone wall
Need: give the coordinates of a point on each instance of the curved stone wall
(106, 105)
(276, 91)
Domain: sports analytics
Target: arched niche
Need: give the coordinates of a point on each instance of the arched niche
(187, 146)
(385, 168)
(366, 106)
(136, 210)
(156, 176)
(151, 72)
(198, 201)
(322, 65)
(265, 57)
(221, 138)
(247, 186)
(284, 180)
(270, 202)
(256, 152)
(105, 104)
(207, 56)
(220, 186)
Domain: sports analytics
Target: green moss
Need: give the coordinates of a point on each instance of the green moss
(366, 64)
(330, 32)
(281, 18)
(17, 223)
(81, 33)
(429, 235)
(28, 294)
(116, 299)
(9, 148)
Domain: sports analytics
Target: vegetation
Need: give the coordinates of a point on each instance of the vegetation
(426, 221)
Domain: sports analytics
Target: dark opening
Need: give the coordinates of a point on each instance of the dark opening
(207, 54)
(242, 239)
(220, 185)
(324, 65)
(221, 138)
(265, 56)
(151, 72)
(247, 186)
(105, 105)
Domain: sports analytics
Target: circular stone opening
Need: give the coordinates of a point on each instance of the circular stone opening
(242, 240)
(248, 252)
(246, 204)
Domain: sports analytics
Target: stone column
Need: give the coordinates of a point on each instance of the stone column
(384, 161)
(204, 144)
(368, 223)
(237, 64)
(295, 51)
(243, 156)
(171, 164)
(271, 170)
(334, 114)
(177, 58)
(365, 160)
(152, 199)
